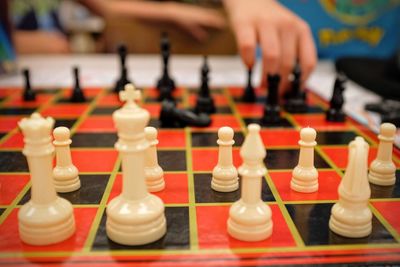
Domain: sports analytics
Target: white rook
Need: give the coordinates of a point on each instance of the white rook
(135, 217)
(46, 218)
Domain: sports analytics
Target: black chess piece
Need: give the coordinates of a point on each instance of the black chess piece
(335, 112)
(123, 79)
(77, 95)
(28, 94)
(249, 95)
(272, 109)
(165, 83)
(296, 98)
(204, 102)
(388, 109)
(172, 117)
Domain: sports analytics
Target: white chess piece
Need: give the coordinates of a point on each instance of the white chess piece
(305, 175)
(65, 174)
(135, 217)
(351, 216)
(382, 170)
(250, 219)
(46, 218)
(154, 173)
(224, 175)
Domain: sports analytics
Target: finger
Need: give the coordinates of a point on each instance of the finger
(288, 43)
(197, 32)
(271, 51)
(246, 41)
(212, 19)
(307, 51)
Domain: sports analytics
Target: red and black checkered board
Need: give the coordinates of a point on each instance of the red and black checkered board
(196, 215)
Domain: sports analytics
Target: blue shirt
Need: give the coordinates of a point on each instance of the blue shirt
(351, 27)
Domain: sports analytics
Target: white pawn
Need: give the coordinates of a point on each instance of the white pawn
(382, 170)
(305, 175)
(65, 174)
(225, 176)
(46, 218)
(250, 219)
(154, 173)
(351, 216)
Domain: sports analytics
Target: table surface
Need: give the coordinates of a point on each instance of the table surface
(102, 70)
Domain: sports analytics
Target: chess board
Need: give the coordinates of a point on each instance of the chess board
(196, 215)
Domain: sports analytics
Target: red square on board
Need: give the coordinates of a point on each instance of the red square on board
(278, 137)
(390, 211)
(65, 110)
(250, 110)
(16, 140)
(88, 91)
(219, 100)
(175, 191)
(94, 160)
(205, 160)
(328, 186)
(97, 124)
(11, 241)
(7, 123)
(109, 100)
(319, 122)
(18, 101)
(10, 91)
(152, 108)
(171, 138)
(238, 91)
(212, 230)
(219, 120)
(339, 155)
(10, 186)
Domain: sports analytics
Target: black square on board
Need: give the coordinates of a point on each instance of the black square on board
(154, 122)
(177, 236)
(335, 137)
(283, 123)
(209, 139)
(66, 99)
(151, 99)
(94, 140)
(2, 135)
(64, 122)
(48, 91)
(310, 110)
(16, 111)
(223, 110)
(91, 191)
(1, 211)
(172, 160)
(13, 161)
(104, 110)
(393, 191)
(312, 222)
(205, 194)
(289, 158)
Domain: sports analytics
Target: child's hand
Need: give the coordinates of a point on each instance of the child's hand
(282, 35)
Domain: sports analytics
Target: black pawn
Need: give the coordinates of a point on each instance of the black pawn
(272, 109)
(249, 95)
(205, 103)
(29, 94)
(165, 84)
(123, 79)
(296, 98)
(77, 95)
(335, 112)
(172, 117)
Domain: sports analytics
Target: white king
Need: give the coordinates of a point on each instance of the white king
(135, 217)
(46, 218)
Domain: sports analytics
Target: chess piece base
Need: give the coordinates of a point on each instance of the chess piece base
(272, 114)
(296, 105)
(335, 115)
(357, 224)
(205, 105)
(29, 96)
(135, 222)
(225, 179)
(249, 95)
(154, 179)
(304, 180)
(382, 173)
(250, 222)
(78, 96)
(66, 179)
(46, 224)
